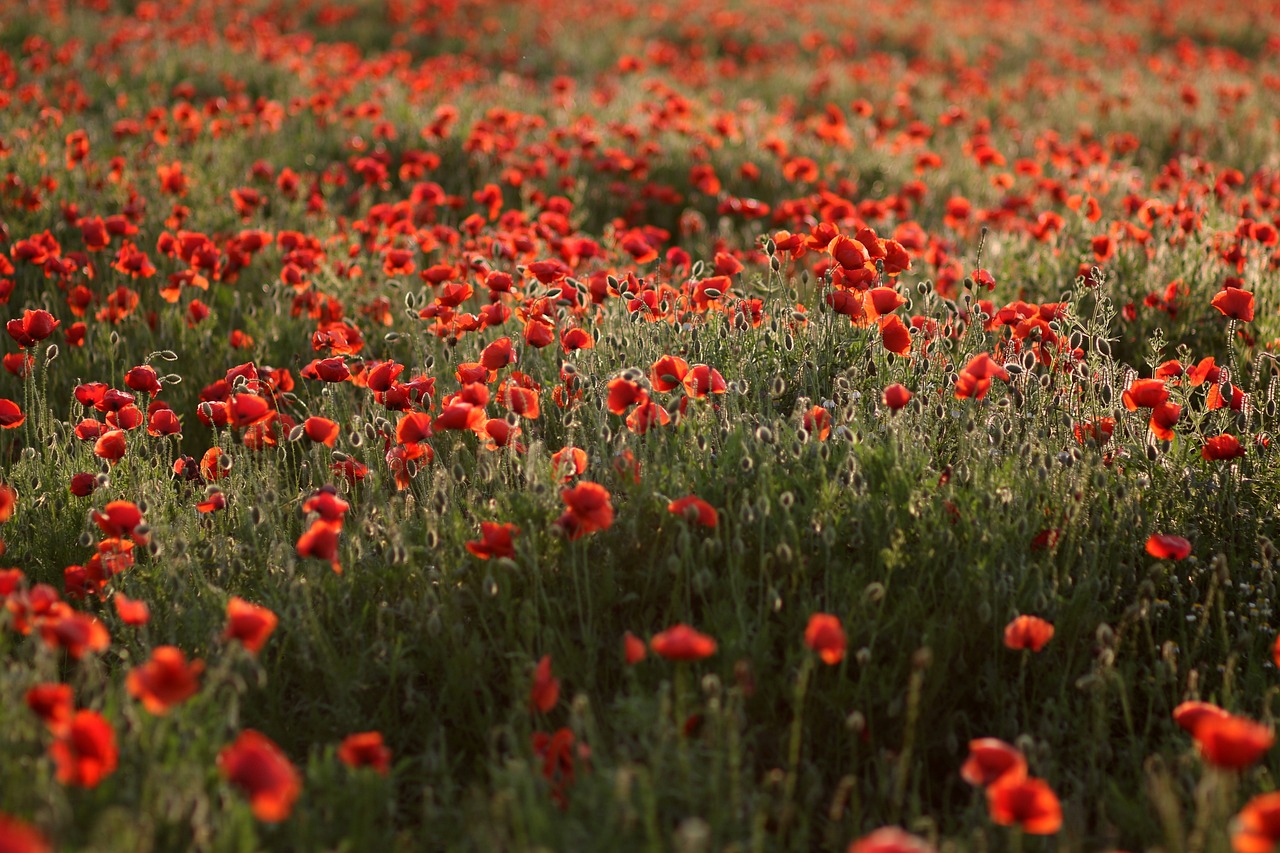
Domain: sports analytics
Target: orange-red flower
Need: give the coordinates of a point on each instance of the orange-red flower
(165, 680)
(588, 508)
(1028, 632)
(1231, 742)
(896, 397)
(680, 642)
(1025, 802)
(1166, 546)
(1234, 303)
(248, 623)
(1256, 829)
(19, 837)
(825, 635)
(255, 765)
(320, 541)
(545, 691)
(890, 839)
(78, 633)
(365, 749)
(495, 540)
(54, 705)
(1222, 448)
(695, 509)
(633, 650)
(131, 612)
(991, 760)
(85, 753)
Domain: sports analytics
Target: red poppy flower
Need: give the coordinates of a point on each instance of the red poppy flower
(1028, 632)
(86, 752)
(320, 541)
(569, 462)
(78, 633)
(33, 327)
(19, 837)
(365, 749)
(990, 760)
(118, 518)
(1231, 742)
(1223, 447)
(545, 691)
(702, 380)
(1256, 829)
(1145, 394)
(1188, 715)
(1027, 803)
(668, 373)
(255, 765)
(826, 636)
(894, 335)
(1234, 303)
(495, 541)
(633, 650)
(11, 416)
(8, 500)
(1165, 546)
(896, 397)
(54, 705)
(890, 839)
(111, 445)
(131, 612)
(682, 643)
(165, 680)
(321, 430)
(696, 509)
(588, 509)
(248, 623)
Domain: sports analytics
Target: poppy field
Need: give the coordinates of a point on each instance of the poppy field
(696, 426)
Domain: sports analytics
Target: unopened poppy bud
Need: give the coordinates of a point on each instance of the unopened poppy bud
(922, 659)
(862, 656)
(855, 722)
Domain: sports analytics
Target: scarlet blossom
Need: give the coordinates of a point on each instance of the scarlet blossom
(558, 755)
(11, 416)
(696, 509)
(1231, 742)
(1028, 632)
(589, 508)
(1256, 829)
(896, 397)
(1145, 394)
(545, 691)
(111, 445)
(495, 541)
(894, 335)
(83, 484)
(131, 612)
(320, 541)
(1223, 447)
(568, 462)
(990, 760)
(248, 623)
(165, 680)
(1165, 546)
(668, 373)
(702, 380)
(682, 643)
(78, 633)
(118, 518)
(32, 327)
(54, 705)
(825, 635)
(255, 765)
(19, 837)
(85, 753)
(1234, 303)
(890, 839)
(365, 749)
(320, 430)
(1188, 715)
(633, 650)
(8, 500)
(498, 354)
(1025, 802)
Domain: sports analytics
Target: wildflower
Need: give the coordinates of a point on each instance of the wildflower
(165, 680)
(365, 749)
(545, 691)
(1026, 802)
(248, 623)
(826, 636)
(1256, 829)
(588, 509)
(85, 753)
(991, 760)
(1164, 546)
(682, 643)
(694, 509)
(1028, 632)
(254, 764)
